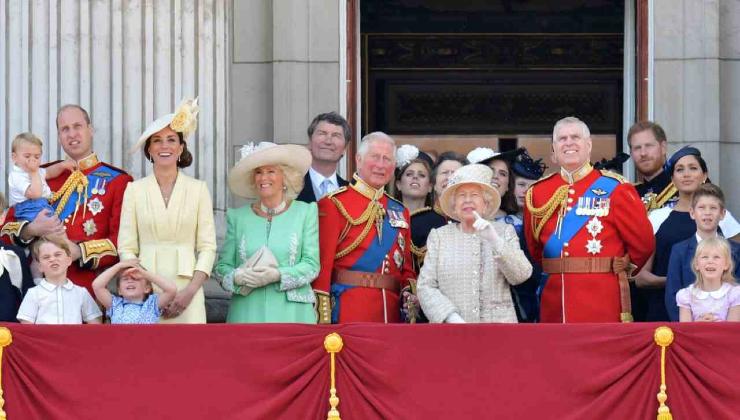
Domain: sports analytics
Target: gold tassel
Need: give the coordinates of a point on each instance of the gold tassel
(5, 339)
(663, 338)
(333, 345)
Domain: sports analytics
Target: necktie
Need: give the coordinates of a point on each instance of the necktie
(324, 187)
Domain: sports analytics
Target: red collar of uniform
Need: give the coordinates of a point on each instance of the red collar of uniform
(88, 162)
(366, 190)
(577, 175)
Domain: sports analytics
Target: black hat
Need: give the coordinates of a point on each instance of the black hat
(526, 167)
(684, 151)
(615, 164)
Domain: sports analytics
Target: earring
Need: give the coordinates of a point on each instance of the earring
(285, 188)
(178, 157)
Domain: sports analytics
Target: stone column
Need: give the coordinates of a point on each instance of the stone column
(729, 75)
(687, 77)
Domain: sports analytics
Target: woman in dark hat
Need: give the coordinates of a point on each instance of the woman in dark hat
(688, 171)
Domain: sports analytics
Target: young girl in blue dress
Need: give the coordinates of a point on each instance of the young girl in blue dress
(136, 303)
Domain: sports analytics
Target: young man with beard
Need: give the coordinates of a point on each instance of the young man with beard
(648, 148)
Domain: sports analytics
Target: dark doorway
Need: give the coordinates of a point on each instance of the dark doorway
(446, 74)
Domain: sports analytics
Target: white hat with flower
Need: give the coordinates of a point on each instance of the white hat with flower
(472, 174)
(480, 154)
(184, 120)
(253, 156)
(405, 154)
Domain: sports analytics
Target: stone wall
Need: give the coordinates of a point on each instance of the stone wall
(697, 83)
(284, 70)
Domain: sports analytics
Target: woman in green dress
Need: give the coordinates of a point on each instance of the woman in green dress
(271, 252)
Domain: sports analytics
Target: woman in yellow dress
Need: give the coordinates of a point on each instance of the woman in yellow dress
(167, 217)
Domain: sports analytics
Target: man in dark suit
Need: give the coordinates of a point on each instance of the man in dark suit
(328, 136)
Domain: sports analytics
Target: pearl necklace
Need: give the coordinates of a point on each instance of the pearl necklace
(273, 211)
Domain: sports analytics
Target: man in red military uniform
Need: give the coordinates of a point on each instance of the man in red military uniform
(87, 201)
(589, 229)
(365, 247)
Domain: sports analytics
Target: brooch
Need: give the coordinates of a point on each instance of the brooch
(95, 206)
(89, 227)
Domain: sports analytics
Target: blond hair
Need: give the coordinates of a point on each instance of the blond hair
(28, 138)
(292, 181)
(717, 243)
(36, 246)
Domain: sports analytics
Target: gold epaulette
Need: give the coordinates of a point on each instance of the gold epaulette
(421, 210)
(323, 307)
(12, 229)
(614, 175)
(337, 191)
(96, 249)
(543, 178)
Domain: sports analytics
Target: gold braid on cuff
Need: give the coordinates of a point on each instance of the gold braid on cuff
(95, 250)
(323, 307)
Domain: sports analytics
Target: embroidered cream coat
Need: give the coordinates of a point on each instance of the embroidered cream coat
(463, 273)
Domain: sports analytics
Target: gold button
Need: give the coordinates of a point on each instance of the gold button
(566, 253)
(571, 191)
(565, 244)
(570, 200)
(568, 208)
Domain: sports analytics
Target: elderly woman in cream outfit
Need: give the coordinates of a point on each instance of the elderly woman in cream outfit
(470, 265)
(167, 217)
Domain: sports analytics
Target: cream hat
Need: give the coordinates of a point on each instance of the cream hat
(265, 153)
(472, 174)
(184, 120)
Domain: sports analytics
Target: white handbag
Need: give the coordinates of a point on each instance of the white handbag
(263, 257)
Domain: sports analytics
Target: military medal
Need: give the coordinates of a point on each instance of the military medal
(397, 220)
(398, 259)
(594, 227)
(593, 246)
(95, 187)
(89, 227)
(95, 206)
(101, 191)
(401, 241)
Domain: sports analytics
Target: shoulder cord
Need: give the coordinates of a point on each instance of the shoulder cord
(373, 214)
(540, 215)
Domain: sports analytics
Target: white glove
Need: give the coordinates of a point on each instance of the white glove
(484, 228)
(454, 318)
(257, 277)
(240, 276)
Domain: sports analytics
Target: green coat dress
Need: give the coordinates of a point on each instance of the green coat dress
(293, 237)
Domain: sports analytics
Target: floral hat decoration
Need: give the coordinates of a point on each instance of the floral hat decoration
(184, 120)
(407, 154)
(484, 155)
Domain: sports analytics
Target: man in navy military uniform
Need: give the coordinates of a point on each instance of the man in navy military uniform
(648, 148)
